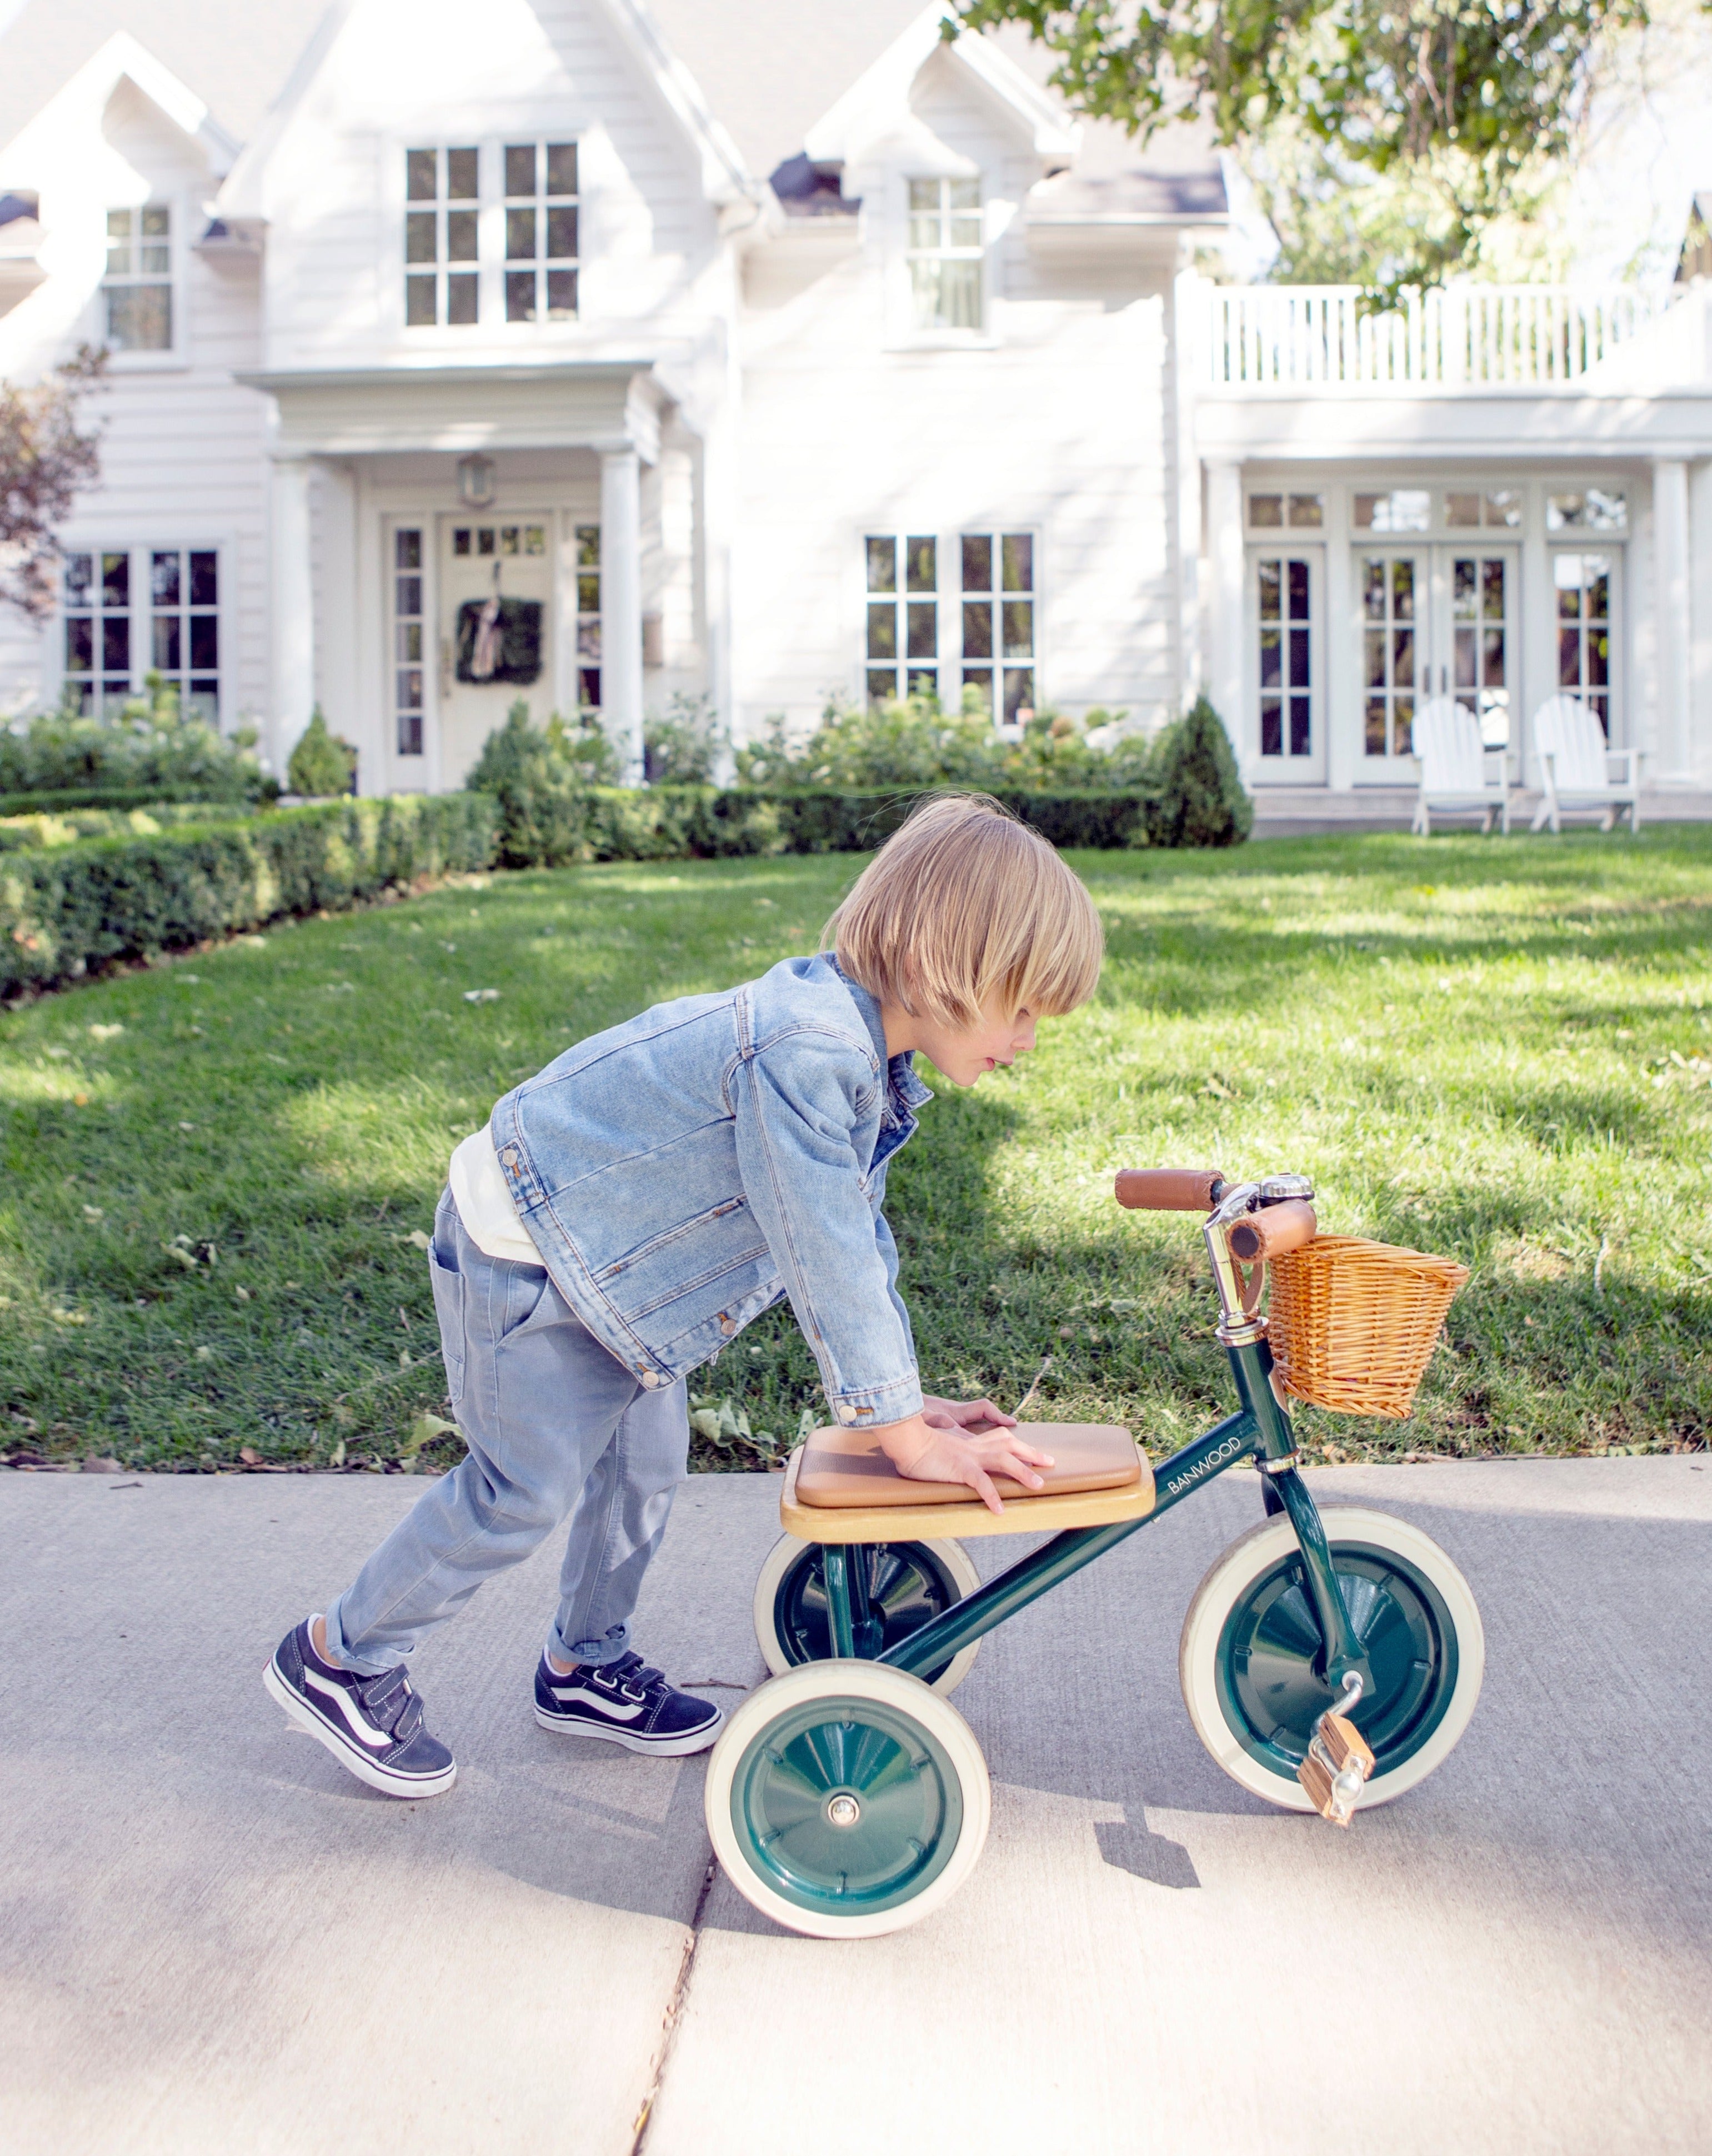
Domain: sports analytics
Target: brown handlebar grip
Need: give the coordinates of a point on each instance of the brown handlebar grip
(1271, 1233)
(1169, 1189)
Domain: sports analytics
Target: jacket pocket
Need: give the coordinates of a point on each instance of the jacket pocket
(449, 1309)
(657, 1245)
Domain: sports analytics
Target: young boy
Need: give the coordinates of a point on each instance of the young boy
(627, 1211)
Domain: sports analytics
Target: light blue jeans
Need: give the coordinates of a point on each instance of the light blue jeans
(555, 1425)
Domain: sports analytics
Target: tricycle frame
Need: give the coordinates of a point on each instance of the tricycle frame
(1260, 1430)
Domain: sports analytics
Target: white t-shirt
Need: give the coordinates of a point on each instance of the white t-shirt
(485, 1203)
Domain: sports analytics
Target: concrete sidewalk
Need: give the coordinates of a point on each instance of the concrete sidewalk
(210, 1938)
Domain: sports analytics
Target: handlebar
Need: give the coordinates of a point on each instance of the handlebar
(1283, 1227)
(1169, 1190)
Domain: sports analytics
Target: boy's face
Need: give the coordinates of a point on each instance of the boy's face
(967, 1053)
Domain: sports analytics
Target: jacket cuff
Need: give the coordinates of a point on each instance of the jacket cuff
(870, 1406)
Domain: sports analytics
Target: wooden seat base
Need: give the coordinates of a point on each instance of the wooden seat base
(897, 1520)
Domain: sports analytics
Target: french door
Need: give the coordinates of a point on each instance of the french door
(1286, 647)
(1435, 621)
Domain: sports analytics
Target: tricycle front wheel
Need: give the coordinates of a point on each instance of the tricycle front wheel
(845, 1799)
(907, 1583)
(1246, 1660)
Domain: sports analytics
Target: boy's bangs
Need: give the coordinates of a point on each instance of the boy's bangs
(966, 907)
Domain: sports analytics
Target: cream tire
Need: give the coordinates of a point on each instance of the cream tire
(789, 1550)
(873, 1707)
(1244, 1567)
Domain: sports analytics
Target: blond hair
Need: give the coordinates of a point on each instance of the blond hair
(966, 907)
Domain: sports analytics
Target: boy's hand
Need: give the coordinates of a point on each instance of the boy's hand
(964, 1415)
(927, 1453)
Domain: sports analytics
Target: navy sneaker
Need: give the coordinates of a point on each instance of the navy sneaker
(373, 1725)
(627, 1703)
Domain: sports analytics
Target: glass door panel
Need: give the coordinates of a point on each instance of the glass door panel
(1479, 593)
(1394, 612)
(1284, 611)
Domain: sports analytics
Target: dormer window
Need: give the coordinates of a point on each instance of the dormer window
(138, 284)
(945, 255)
(441, 216)
(540, 231)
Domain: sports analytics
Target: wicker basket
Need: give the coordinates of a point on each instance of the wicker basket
(1352, 1323)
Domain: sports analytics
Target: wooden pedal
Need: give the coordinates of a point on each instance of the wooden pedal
(1337, 1744)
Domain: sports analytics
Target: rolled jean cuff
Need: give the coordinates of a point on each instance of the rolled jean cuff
(339, 1653)
(596, 1654)
(877, 1404)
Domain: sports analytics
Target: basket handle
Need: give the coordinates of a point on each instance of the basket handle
(1169, 1190)
(1269, 1234)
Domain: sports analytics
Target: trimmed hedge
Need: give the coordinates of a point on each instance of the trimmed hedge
(56, 801)
(669, 822)
(55, 827)
(67, 910)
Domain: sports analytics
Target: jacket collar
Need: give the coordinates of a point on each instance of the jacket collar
(904, 1091)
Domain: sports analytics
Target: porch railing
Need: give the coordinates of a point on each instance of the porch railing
(1311, 336)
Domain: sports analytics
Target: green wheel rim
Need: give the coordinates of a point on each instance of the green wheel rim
(906, 1585)
(835, 1756)
(1270, 1693)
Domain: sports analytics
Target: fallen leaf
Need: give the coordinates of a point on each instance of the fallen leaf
(102, 1464)
(183, 1257)
(71, 1317)
(92, 1213)
(79, 1100)
(425, 1428)
(422, 1242)
(481, 995)
(249, 1455)
(105, 1032)
(187, 1126)
(336, 1458)
(1219, 1090)
(241, 1294)
(58, 1054)
(255, 943)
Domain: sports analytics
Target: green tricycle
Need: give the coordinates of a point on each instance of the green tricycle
(1329, 1661)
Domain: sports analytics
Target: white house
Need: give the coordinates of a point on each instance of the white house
(768, 352)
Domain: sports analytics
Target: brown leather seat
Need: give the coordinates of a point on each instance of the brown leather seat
(840, 1487)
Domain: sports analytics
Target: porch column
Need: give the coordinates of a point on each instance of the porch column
(621, 606)
(1225, 670)
(291, 603)
(1671, 632)
(1699, 757)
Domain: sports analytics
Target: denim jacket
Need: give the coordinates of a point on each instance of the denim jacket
(680, 1172)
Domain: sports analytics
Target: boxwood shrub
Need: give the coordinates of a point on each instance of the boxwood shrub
(67, 910)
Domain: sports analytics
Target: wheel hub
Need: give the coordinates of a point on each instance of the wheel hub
(843, 1809)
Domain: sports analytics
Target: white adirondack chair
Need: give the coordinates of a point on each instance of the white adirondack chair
(1456, 768)
(1575, 762)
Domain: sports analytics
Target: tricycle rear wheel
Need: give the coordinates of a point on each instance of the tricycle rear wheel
(1250, 1642)
(907, 1583)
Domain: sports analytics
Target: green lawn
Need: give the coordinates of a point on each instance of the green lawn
(218, 1172)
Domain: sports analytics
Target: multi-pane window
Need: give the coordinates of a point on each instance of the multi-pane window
(944, 253)
(1583, 582)
(999, 621)
(540, 231)
(1479, 646)
(441, 219)
(407, 639)
(184, 625)
(1404, 509)
(1391, 652)
(1286, 655)
(1271, 512)
(96, 595)
(904, 617)
(1499, 509)
(589, 616)
(138, 281)
(1591, 509)
(499, 539)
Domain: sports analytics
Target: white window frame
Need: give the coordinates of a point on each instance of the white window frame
(490, 326)
(141, 611)
(947, 597)
(904, 334)
(543, 203)
(174, 355)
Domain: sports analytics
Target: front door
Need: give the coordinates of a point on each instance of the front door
(1434, 621)
(495, 629)
(1284, 587)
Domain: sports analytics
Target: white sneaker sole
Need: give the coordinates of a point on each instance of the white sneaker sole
(666, 1747)
(298, 1710)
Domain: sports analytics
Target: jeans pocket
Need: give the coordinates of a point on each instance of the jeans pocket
(449, 1309)
(526, 1290)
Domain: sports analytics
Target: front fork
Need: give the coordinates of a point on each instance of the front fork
(1285, 1492)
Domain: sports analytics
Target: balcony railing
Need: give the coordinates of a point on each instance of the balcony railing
(1314, 337)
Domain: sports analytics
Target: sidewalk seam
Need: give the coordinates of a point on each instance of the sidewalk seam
(674, 2008)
